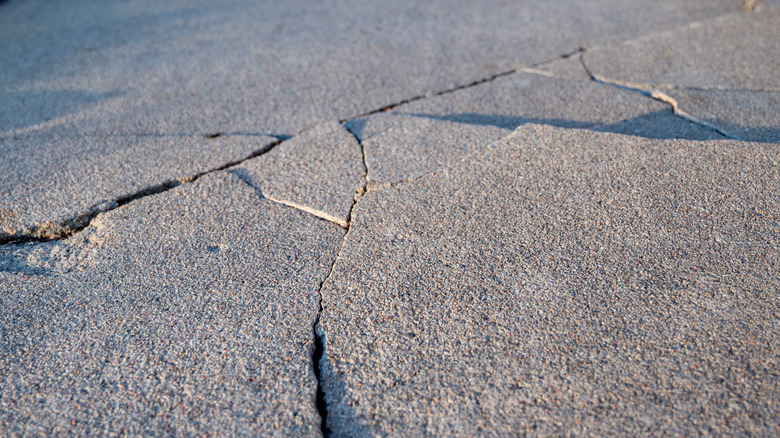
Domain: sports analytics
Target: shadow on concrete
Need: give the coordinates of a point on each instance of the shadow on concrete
(662, 124)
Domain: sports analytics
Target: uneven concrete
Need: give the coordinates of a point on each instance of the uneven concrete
(696, 67)
(360, 219)
(400, 148)
(94, 69)
(52, 185)
(318, 171)
(563, 281)
(189, 312)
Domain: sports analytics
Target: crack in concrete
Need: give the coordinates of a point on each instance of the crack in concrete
(69, 227)
(320, 341)
(73, 225)
(426, 96)
(319, 214)
(657, 95)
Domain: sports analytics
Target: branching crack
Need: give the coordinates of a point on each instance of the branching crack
(320, 343)
(75, 224)
(657, 95)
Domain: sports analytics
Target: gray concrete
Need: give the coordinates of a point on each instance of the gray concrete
(563, 281)
(746, 115)
(697, 66)
(319, 171)
(707, 54)
(87, 68)
(368, 219)
(456, 124)
(184, 313)
(47, 182)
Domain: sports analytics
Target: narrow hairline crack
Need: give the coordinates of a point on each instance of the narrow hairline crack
(657, 95)
(320, 340)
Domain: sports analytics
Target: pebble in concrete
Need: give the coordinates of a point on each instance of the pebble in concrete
(185, 313)
(563, 281)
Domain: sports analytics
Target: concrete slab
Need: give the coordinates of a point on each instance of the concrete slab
(145, 67)
(318, 171)
(710, 54)
(185, 313)
(747, 115)
(562, 281)
(456, 124)
(49, 183)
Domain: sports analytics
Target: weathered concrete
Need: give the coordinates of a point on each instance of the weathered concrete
(318, 171)
(563, 281)
(722, 72)
(398, 148)
(189, 312)
(93, 69)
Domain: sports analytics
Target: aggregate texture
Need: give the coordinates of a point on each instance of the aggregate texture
(564, 281)
(185, 313)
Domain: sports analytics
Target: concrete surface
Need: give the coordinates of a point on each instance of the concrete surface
(91, 68)
(318, 171)
(409, 219)
(697, 66)
(183, 313)
(563, 282)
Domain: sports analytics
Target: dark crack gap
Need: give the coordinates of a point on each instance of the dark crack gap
(76, 224)
(320, 340)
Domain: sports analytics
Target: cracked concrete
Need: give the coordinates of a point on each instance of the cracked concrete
(530, 218)
(691, 67)
(563, 280)
(317, 171)
(176, 317)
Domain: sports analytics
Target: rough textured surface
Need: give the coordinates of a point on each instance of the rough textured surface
(43, 184)
(185, 313)
(534, 222)
(319, 170)
(709, 54)
(564, 281)
(746, 115)
(399, 148)
(86, 67)
(699, 67)
(406, 147)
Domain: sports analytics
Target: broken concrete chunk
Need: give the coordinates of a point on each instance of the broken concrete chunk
(318, 171)
(557, 269)
(187, 312)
